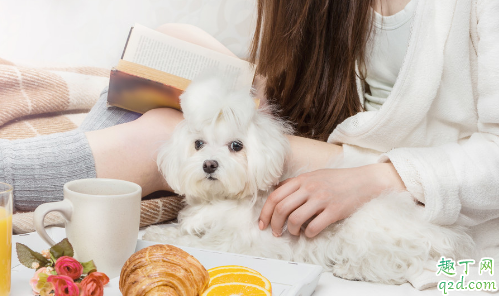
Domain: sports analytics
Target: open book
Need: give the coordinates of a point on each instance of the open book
(156, 68)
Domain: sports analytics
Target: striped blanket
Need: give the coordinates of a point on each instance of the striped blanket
(37, 101)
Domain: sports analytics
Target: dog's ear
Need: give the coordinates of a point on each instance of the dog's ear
(172, 156)
(200, 95)
(211, 96)
(268, 148)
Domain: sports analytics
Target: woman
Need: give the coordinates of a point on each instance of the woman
(430, 123)
(430, 95)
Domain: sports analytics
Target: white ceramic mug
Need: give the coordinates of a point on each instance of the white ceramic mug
(102, 221)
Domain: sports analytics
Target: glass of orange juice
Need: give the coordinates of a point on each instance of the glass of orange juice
(5, 237)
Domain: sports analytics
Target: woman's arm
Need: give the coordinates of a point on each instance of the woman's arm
(311, 155)
(460, 181)
(329, 194)
(326, 195)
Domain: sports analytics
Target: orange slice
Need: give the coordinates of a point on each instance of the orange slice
(241, 277)
(229, 268)
(239, 289)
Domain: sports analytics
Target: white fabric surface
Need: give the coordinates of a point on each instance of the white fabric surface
(440, 124)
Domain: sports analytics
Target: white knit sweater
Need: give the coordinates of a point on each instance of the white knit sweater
(440, 125)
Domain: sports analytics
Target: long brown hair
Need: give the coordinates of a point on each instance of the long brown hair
(308, 50)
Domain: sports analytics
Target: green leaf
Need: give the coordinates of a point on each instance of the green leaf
(88, 267)
(52, 258)
(27, 256)
(64, 248)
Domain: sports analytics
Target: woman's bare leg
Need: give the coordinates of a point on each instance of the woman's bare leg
(128, 151)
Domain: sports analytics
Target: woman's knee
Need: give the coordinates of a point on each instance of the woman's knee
(159, 123)
(193, 34)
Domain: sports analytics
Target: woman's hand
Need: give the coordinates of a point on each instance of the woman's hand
(325, 196)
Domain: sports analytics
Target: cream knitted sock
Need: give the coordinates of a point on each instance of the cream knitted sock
(39, 167)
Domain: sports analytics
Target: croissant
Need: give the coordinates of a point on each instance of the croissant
(163, 270)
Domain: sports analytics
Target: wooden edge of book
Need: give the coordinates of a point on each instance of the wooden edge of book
(138, 94)
(153, 74)
(140, 88)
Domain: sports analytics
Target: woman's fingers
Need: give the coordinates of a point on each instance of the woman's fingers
(284, 208)
(285, 188)
(331, 194)
(319, 223)
(302, 215)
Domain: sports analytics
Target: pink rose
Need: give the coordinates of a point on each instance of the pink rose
(69, 266)
(93, 284)
(102, 276)
(63, 285)
(36, 277)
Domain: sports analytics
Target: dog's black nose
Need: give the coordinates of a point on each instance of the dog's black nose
(209, 166)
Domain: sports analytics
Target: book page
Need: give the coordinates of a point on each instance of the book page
(162, 52)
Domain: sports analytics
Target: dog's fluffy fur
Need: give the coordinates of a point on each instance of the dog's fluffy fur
(386, 240)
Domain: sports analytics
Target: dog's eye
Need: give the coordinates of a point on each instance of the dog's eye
(236, 146)
(198, 144)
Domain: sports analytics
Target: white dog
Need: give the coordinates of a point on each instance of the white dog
(226, 156)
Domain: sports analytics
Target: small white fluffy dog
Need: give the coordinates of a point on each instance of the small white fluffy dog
(225, 158)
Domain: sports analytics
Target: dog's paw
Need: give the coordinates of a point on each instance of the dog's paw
(162, 234)
(360, 273)
(344, 272)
